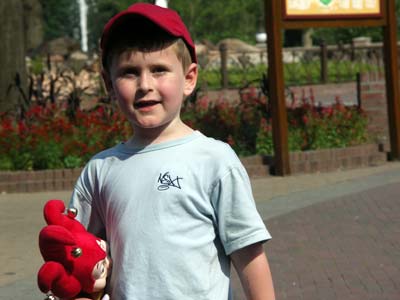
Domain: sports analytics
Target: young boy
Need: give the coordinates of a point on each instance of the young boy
(175, 206)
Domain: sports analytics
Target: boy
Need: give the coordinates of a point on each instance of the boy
(175, 206)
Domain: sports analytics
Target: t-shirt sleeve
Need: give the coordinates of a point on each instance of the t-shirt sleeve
(238, 221)
(82, 203)
(85, 199)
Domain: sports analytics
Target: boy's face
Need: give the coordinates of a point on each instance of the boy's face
(150, 87)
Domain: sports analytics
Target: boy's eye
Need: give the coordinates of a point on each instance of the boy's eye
(159, 70)
(129, 72)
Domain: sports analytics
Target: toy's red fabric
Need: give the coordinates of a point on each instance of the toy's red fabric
(69, 251)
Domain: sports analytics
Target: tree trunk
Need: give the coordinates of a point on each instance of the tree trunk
(12, 56)
(33, 24)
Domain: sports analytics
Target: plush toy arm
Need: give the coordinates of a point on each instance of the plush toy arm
(53, 277)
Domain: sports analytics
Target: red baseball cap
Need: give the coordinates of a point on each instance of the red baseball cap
(165, 18)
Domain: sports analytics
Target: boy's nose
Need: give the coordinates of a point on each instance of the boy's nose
(145, 82)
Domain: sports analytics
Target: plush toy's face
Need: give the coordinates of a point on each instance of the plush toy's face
(101, 270)
(100, 273)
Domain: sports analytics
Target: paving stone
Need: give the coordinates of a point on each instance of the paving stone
(335, 236)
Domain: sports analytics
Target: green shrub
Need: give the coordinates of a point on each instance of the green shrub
(47, 155)
(247, 126)
(298, 73)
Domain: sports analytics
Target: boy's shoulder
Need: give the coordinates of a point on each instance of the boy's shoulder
(202, 138)
(218, 151)
(109, 153)
(215, 145)
(106, 156)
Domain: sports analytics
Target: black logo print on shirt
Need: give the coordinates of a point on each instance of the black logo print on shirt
(165, 180)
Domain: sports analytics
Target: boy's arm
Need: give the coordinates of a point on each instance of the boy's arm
(252, 266)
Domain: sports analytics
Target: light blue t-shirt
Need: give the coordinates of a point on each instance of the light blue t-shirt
(172, 214)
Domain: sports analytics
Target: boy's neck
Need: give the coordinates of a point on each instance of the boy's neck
(150, 136)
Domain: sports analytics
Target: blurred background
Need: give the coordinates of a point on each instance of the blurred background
(55, 113)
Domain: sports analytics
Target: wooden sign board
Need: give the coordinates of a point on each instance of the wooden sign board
(309, 9)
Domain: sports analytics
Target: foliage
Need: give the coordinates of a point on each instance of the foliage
(100, 11)
(298, 73)
(309, 72)
(345, 35)
(211, 78)
(48, 139)
(246, 126)
(234, 19)
(61, 18)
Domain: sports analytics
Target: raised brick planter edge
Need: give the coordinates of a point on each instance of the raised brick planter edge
(326, 160)
(257, 166)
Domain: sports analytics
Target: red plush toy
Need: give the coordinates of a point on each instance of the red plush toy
(76, 261)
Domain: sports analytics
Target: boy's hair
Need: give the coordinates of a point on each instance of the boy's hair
(149, 38)
(146, 27)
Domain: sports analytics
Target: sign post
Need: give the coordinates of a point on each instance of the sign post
(392, 79)
(276, 88)
(298, 14)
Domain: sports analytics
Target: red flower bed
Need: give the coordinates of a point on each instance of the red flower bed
(52, 136)
(47, 138)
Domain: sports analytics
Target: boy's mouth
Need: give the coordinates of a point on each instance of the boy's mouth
(147, 103)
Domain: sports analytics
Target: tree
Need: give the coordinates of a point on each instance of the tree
(210, 20)
(205, 19)
(100, 12)
(33, 24)
(345, 35)
(215, 20)
(12, 55)
(61, 18)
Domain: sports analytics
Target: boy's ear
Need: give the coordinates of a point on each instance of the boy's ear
(190, 79)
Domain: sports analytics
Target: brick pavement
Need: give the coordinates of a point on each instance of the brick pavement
(344, 244)
(335, 236)
(348, 248)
